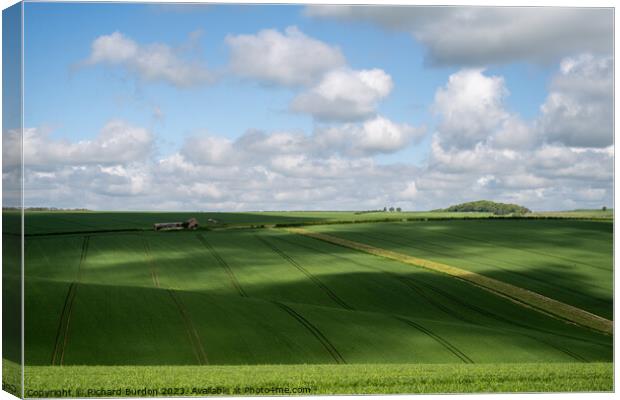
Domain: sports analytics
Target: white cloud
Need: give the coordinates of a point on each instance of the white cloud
(117, 142)
(286, 149)
(209, 150)
(479, 150)
(153, 62)
(550, 177)
(332, 92)
(470, 106)
(260, 144)
(208, 190)
(482, 150)
(344, 95)
(410, 192)
(579, 108)
(288, 59)
(114, 48)
(374, 136)
(472, 111)
(477, 36)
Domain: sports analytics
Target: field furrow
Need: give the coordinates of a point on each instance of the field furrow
(315, 332)
(192, 334)
(62, 335)
(453, 349)
(527, 297)
(230, 297)
(313, 278)
(223, 264)
(152, 265)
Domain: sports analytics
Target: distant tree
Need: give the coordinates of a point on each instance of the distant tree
(384, 209)
(489, 206)
(391, 209)
(398, 209)
(604, 208)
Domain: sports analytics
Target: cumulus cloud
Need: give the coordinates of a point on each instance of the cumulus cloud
(471, 110)
(410, 192)
(153, 62)
(290, 58)
(470, 106)
(332, 91)
(479, 149)
(117, 142)
(579, 108)
(291, 177)
(209, 150)
(482, 150)
(344, 95)
(477, 36)
(285, 149)
(375, 136)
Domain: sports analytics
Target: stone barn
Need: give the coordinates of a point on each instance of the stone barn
(191, 223)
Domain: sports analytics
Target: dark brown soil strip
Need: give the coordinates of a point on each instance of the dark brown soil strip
(313, 278)
(190, 329)
(223, 264)
(331, 349)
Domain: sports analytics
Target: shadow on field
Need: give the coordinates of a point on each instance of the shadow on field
(114, 325)
(367, 308)
(556, 258)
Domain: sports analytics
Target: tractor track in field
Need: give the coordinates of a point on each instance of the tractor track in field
(62, 332)
(507, 262)
(415, 286)
(190, 330)
(331, 349)
(447, 345)
(151, 261)
(223, 264)
(518, 295)
(404, 280)
(308, 274)
(496, 317)
(488, 263)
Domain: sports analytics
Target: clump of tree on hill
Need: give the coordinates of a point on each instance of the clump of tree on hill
(490, 207)
(385, 209)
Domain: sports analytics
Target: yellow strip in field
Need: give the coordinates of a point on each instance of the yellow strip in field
(520, 295)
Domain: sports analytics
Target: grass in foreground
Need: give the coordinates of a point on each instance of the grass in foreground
(319, 379)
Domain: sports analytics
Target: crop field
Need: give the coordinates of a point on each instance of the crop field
(128, 306)
(45, 222)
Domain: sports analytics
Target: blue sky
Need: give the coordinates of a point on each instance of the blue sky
(85, 98)
(399, 132)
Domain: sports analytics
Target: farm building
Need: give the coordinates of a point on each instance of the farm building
(191, 223)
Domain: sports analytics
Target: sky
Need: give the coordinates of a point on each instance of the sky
(287, 107)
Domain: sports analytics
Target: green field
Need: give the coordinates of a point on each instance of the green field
(44, 222)
(125, 306)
